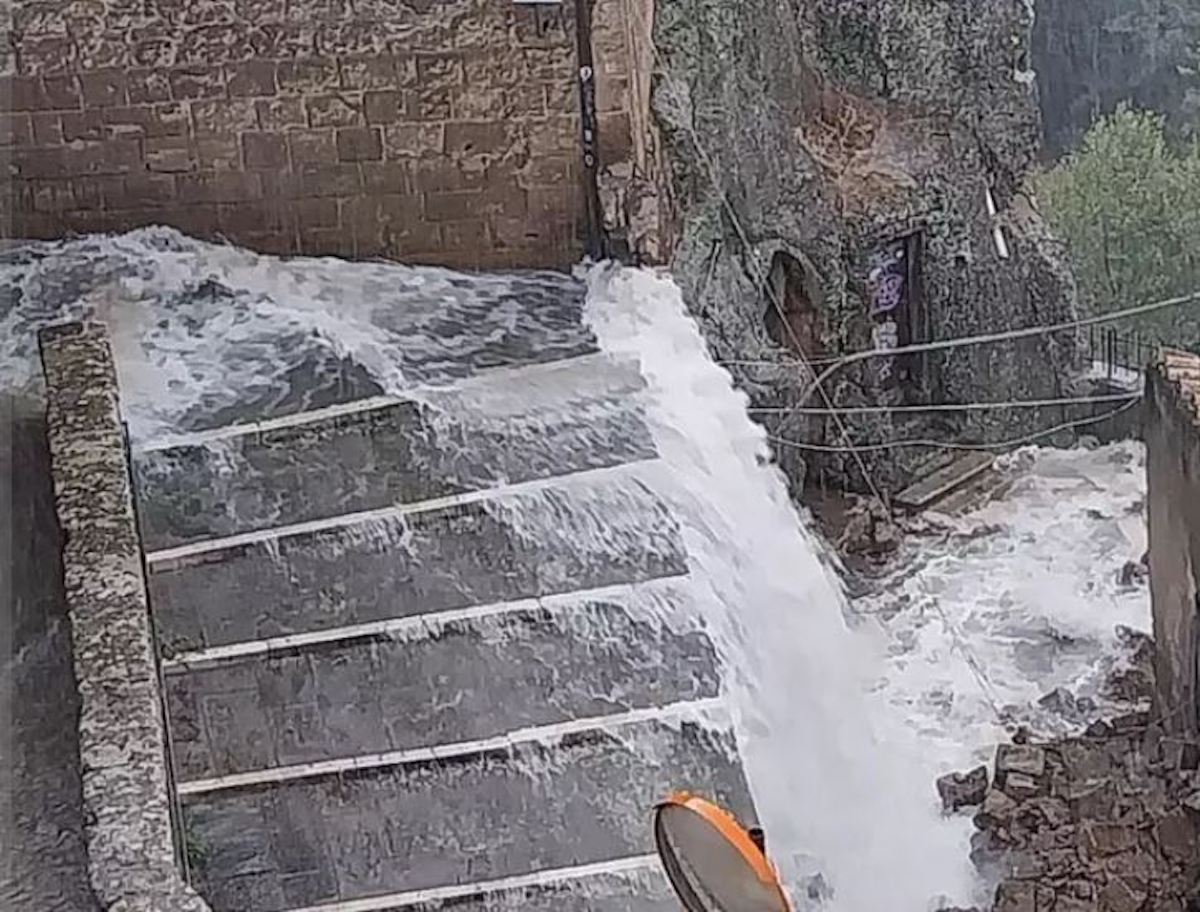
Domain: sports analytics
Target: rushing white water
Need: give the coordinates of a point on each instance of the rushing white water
(830, 778)
(842, 728)
(990, 613)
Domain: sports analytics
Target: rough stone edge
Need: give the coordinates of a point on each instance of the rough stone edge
(122, 743)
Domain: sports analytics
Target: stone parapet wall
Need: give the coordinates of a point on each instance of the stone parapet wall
(1172, 427)
(442, 132)
(126, 798)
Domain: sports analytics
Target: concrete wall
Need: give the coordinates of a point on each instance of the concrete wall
(131, 846)
(1172, 427)
(436, 132)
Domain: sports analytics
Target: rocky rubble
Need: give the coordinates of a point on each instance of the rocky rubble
(1108, 821)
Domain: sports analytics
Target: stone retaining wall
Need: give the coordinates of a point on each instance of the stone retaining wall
(443, 132)
(126, 798)
(1172, 427)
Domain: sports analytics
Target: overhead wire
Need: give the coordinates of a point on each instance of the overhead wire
(949, 406)
(989, 338)
(962, 341)
(953, 445)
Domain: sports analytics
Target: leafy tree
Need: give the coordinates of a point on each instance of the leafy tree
(1127, 203)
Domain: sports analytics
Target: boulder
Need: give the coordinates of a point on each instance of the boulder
(1119, 895)
(961, 790)
(997, 811)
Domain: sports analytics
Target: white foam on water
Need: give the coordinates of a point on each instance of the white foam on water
(832, 776)
(1020, 598)
(199, 327)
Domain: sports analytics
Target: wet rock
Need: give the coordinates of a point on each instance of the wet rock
(1176, 835)
(1020, 758)
(1132, 574)
(1020, 785)
(1046, 812)
(1100, 839)
(1092, 801)
(816, 888)
(961, 790)
(868, 531)
(997, 811)
(1061, 702)
(1131, 721)
(1015, 896)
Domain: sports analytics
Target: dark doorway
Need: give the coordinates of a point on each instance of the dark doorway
(792, 318)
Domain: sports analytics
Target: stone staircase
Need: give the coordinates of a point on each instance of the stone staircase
(430, 650)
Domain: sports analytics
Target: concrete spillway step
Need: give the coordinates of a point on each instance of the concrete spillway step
(592, 530)
(477, 819)
(428, 327)
(631, 885)
(463, 681)
(512, 426)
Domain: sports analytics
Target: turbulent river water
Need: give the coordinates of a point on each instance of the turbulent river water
(845, 711)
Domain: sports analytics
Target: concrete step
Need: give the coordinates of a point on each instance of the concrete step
(590, 530)
(973, 494)
(427, 327)
(464, 681)
(478, 819)
(511, 426)
(646, 891)
(927, 491)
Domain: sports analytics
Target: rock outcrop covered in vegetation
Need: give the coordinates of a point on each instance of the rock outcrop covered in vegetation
(839, 150)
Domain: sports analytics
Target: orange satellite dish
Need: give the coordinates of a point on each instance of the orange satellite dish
(712, 861)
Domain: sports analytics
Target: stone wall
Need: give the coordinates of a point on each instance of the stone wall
(435, 132)
(824, 129)
(1172, 428)
(126, 799)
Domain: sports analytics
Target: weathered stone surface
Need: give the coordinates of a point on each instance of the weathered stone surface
(131, 849)
(826, 130)
(1172, 421)
(44, 858)
(388, 831)
(1090, 57)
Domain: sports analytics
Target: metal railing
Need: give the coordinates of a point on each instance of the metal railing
(1118, 352)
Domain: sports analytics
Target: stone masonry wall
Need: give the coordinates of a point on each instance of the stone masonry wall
(1172, 428)
(437, 132)
(131, 854)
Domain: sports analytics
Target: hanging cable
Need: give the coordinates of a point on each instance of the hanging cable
(961, 342)
(948, 406)
(949, 445)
